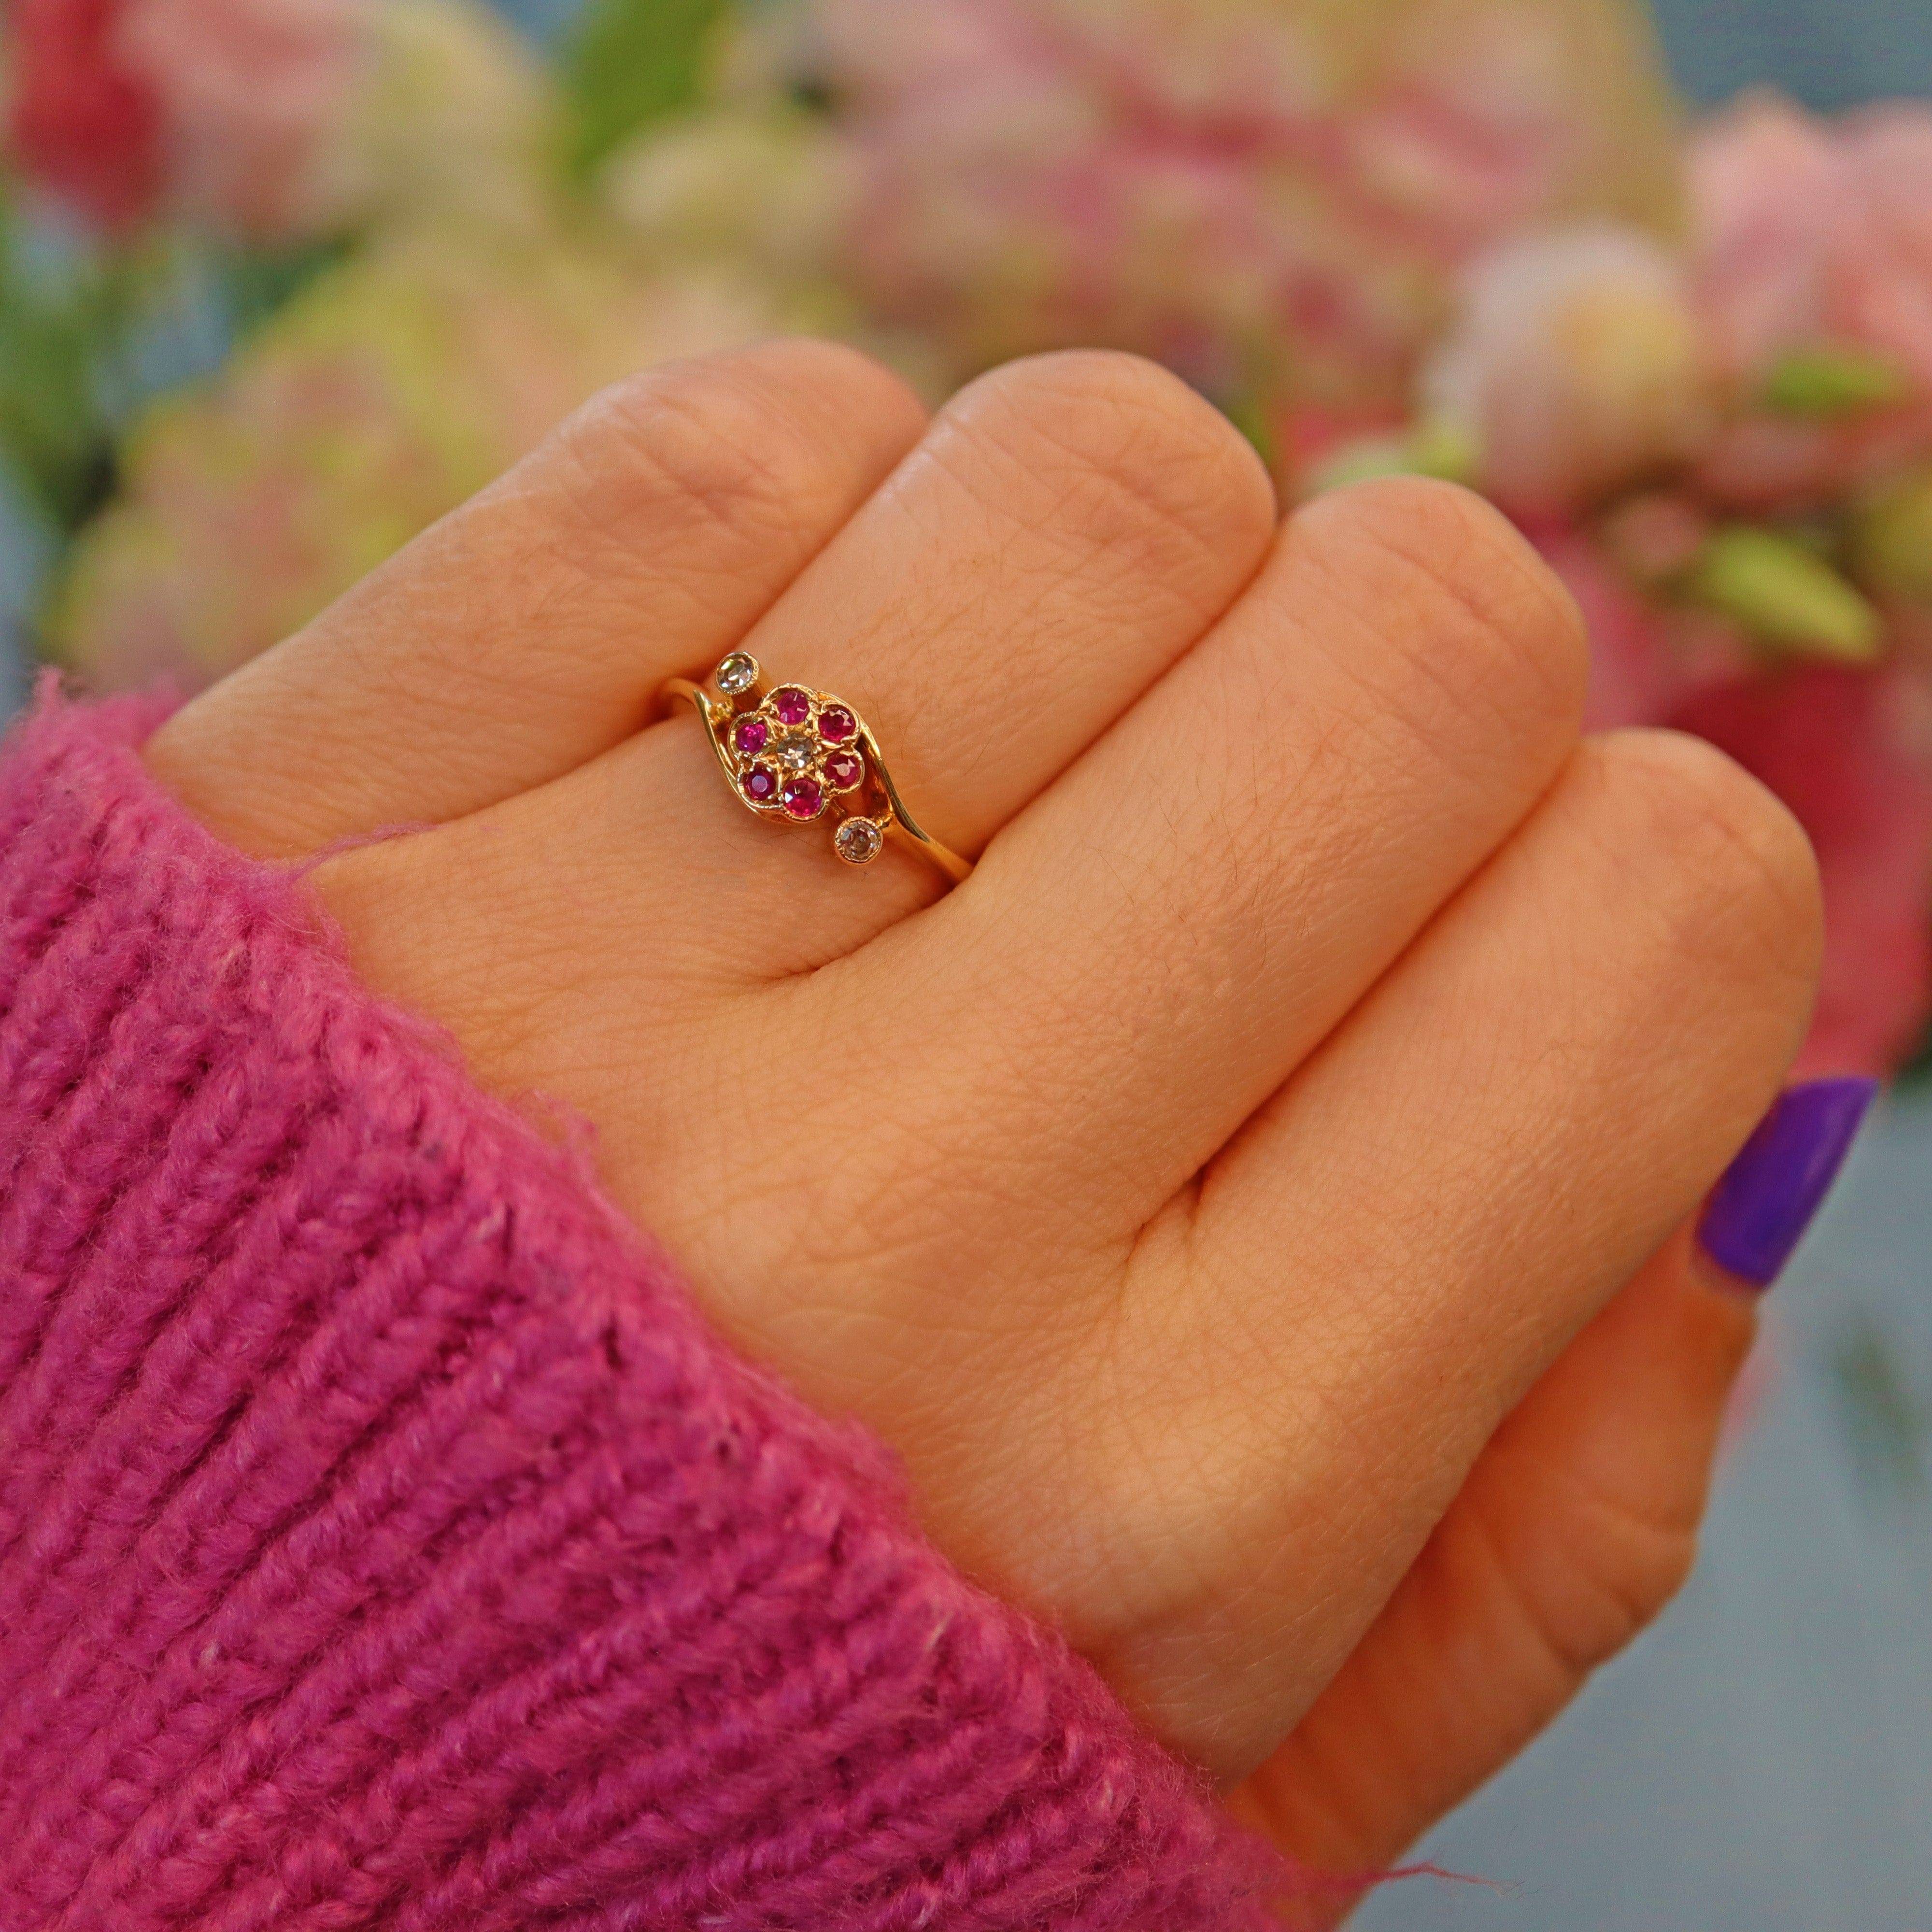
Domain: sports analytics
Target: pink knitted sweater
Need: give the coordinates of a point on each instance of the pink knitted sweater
(384, 1540)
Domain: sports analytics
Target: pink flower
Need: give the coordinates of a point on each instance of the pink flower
(1813, 237)
(1850, 753)
(1243, 188)
(82, 121)
(1635, 678)
(232, 110)
(253, 97)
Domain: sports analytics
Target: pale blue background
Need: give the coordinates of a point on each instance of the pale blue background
(1762, 1761)
(1829, 52)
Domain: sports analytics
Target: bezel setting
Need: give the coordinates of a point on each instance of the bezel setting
(858, 841)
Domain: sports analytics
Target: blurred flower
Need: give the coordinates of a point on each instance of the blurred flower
(1849, 752)
(382, 397)
(1247, 189)
(452, 126)
(253, 95)
(274, 119)
(1812, 268)
(81, 120)
(1658, 536)
(1813, 232)
(770, 189)
(225, 106)
(1635, 676)
(1575, 368)
(1891, 540)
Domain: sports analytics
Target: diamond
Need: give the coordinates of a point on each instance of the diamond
(797, 751)
(858, 841)
(739, 672)
(750, 736)
(761, 784)
(843, 770)
(793, 706)
(803, 798)
(835, 723)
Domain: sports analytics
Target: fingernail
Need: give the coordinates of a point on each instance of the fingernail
(1758, 1213)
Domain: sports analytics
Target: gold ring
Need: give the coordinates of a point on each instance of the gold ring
(794, 756)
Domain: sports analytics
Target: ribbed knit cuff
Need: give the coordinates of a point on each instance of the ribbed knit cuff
(384, 1541)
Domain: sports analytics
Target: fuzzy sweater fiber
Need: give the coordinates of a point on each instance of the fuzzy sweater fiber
(384, 1541)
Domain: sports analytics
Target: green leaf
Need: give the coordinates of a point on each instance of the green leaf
(258, 283)
(629, 63)
(1248, 415)
(1444, 450)
(1829, 382)
(1785, 595)
(1432, 447)
(1890, 540)
(62, 323)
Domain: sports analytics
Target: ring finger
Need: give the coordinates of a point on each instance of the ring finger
(1067, 528)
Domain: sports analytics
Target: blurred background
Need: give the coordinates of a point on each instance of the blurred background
(281, 281)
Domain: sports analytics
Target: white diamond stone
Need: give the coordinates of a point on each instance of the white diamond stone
(858, 841)
(739, 672)
(795, 751)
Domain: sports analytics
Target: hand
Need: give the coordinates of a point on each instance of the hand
(1247, 1203)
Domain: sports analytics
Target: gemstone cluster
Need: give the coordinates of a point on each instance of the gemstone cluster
(796, 754)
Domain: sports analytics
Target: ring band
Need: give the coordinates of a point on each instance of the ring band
(794, 755)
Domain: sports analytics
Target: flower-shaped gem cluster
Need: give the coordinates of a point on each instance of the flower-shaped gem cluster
(795, 754)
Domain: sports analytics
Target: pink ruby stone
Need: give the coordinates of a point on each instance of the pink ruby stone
(794, 707)
(803, 798)
(751, 735)
(844, 769)
(761, 784)
(835, 723)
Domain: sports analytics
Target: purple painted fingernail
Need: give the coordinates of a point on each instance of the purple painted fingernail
(1758, 1213)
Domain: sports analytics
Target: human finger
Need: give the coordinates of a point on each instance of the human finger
(530, 630)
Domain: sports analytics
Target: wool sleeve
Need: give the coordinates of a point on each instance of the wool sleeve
(386, 1541)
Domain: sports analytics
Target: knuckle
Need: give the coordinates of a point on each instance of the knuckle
(1127, 454)
(1626, 1565)
(1442, 574)
(757, 439)
(1729, 868)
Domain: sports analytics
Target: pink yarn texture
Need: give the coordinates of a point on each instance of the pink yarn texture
(385, 1540)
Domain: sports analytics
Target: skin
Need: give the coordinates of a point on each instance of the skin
(1254, 1204)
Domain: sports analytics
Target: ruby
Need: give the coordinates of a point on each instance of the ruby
(803, 798)
(835, 723)
(794, 707)
(844, 769)
(761, 784)
(750, 736)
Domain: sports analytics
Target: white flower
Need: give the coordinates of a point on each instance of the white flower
(761, 189)
(1576, 367)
